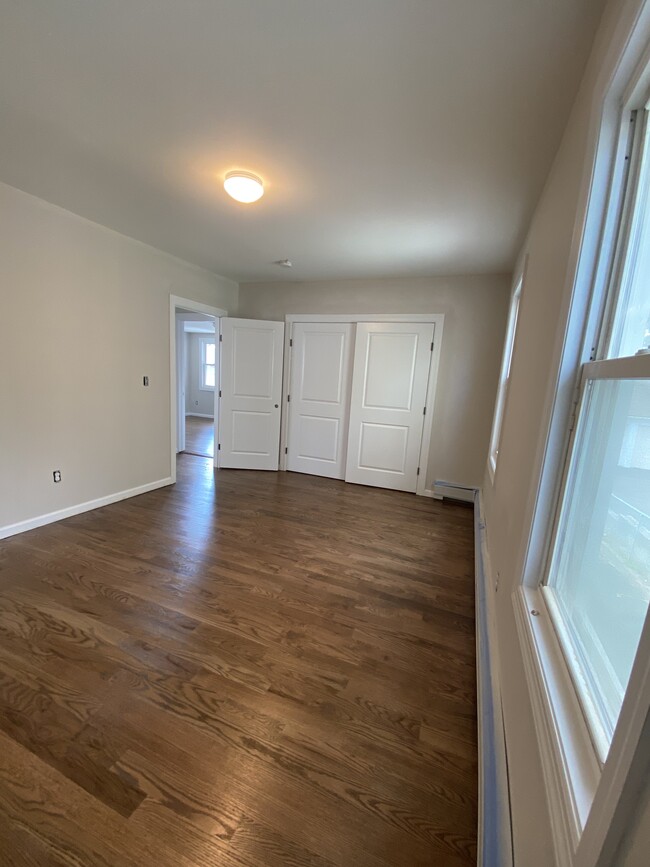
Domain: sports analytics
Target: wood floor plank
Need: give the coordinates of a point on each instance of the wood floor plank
(246, 669)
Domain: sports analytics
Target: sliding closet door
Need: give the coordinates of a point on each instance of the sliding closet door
(321, 361)
(389, 388)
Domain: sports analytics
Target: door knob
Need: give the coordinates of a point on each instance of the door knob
(277, 405)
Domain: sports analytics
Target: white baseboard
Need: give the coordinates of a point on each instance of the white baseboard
(494, 824)
(60, 514)
(198, 415)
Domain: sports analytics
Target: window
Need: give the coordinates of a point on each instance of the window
(504, 379)
(597, 586)
(208, 363)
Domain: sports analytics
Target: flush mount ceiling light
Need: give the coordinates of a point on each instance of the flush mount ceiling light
(243, 186)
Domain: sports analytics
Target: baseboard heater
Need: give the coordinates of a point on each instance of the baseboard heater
(494, 825)
(452, 491)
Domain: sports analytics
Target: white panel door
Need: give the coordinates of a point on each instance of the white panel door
(321, 361)
(389, 388)
(251, 392)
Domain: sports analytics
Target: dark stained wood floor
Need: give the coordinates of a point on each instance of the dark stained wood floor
(264, 670)
(199, 436)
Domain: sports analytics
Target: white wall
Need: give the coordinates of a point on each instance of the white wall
(533, 371)
(475, 312)
(72, 361)
(196, 399)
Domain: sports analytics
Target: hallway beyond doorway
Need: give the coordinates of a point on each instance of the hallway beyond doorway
(199, 436)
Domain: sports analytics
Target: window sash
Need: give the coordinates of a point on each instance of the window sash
(632, 367)
(587, 688)
(635, 211)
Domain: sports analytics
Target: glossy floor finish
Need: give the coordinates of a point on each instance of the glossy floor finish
(265, 670)
(199, 436)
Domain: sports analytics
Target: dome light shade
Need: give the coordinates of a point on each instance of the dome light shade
(243, 186)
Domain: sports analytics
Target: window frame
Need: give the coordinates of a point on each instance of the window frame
(203, 343)
(504, 372)
(589, 803)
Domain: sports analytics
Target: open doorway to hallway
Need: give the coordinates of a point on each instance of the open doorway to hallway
(194, 378)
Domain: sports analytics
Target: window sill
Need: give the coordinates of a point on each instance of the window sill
(569, 762)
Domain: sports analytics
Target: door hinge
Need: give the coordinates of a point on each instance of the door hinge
(286, 450)
(291, 341)
(221, 338)
(288, 398)
(418, 472)
(219, 392)
(432, 346)
(424, 411)
(219, 447)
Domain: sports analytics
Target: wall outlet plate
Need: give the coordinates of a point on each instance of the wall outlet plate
(57, 475)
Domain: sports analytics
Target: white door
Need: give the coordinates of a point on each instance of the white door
(251, 392)
(389, 388)
(321, 362)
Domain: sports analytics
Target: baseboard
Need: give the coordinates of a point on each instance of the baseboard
(494, 825)
(60, 514)
(198, 415)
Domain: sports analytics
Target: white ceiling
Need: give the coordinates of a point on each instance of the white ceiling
(395, 137)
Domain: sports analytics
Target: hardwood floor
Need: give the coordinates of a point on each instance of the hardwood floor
(264, 670)
(199, 436)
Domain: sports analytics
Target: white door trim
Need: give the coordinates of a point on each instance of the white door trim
(366, 317)
(196, 307)
(438, 319)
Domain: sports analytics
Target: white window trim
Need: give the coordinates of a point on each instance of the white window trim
(203, 341)
(589, 806)
(504, 373)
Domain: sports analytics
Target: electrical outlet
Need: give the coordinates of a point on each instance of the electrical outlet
(496, 583)
(145, 380)
(57, 475)
(196, 403)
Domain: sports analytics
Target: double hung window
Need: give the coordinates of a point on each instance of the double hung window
(597, 583)
(504, 379)
(208, 363)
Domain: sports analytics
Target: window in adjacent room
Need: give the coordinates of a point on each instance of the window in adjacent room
(208, 363)
(504, 379)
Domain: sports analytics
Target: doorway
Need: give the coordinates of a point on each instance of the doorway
(194, 379)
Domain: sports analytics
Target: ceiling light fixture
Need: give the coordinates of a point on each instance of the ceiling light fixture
(284, 263)
(243, 186)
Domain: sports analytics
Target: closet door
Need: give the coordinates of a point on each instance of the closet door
(389, 388)
(251, 392)
(321, 360)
